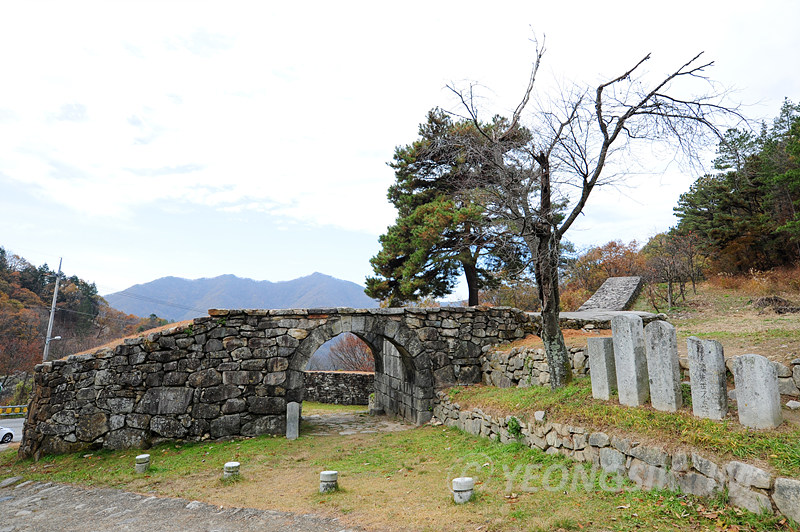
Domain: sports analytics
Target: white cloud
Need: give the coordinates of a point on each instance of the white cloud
(291, 110)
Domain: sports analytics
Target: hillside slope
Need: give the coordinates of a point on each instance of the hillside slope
(175, 298)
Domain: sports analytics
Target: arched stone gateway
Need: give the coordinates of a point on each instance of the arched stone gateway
(233, 373)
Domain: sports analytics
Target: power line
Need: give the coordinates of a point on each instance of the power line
(157, 301)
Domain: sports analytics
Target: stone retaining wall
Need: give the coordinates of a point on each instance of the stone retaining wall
(525, 366)
(648, 467)
(339, 387)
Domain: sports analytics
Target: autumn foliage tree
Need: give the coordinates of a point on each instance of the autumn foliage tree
(83, 319)
(350, 353)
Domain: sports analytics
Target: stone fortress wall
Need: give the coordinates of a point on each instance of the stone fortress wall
(233, 373)
(339, 387)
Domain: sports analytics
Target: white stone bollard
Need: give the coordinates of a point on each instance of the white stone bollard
(708, 379)
(663, 366)
(462, 489)
(328, 481)
(142, 463)
(603, 372)
(230, 470)
(630, 359)
(757, 396)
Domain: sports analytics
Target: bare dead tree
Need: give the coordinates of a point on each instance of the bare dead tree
(540, 188)
(350, 353)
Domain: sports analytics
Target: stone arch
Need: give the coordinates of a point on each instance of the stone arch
(403, 378)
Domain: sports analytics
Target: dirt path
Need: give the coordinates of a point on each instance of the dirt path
(38, 506)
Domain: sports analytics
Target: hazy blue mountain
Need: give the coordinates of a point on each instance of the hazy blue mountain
(178, 299)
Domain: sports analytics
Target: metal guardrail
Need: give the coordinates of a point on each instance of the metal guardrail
(13, 410)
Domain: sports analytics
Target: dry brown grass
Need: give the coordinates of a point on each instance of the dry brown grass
(114, 343)
(729, 316)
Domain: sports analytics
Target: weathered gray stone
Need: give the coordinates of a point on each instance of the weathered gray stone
(616, 293)
(748, 475)
(793, 405)
(630, 359)
(707, 468)
(663, 366)
(681, 462)
(786, 386)
(126, 438)
(599, 439)
(612, 461)
(604, 372)
(647, 476)
(91, 427)
(751, 500)
(167, 427)
(786, 496)
(708, 379)
(165, 400)
(757, 397)
(697, 484)
(651, 455)
(292, 420)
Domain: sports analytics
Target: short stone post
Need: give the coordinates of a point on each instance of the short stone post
(292, 420)
(602, 370)
(757, 395)
(328, 481)
(663, 367)
(707, 375)
(142, 463)
(462, 489)
(630, 359)
(230, 470)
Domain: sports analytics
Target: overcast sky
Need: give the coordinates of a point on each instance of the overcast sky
(146, 139)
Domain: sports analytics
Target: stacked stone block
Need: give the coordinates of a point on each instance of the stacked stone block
(521, 367)
(339, 387)
(649, 467)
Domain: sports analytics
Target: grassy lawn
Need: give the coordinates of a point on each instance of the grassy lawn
(398, 481)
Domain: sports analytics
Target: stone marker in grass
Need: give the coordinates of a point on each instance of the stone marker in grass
(328, 481)
(462, 489)
(142, 463)
(707, 374)
(663, 366)
(630, 360)
(230, 470)
(757, 397)
(602, 371)
(292, 420)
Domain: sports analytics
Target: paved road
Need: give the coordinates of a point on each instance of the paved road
(15, 424)
(44, 506)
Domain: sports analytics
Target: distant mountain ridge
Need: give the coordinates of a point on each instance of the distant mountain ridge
(175, 298)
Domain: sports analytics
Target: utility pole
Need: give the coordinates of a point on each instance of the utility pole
(48, 338)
